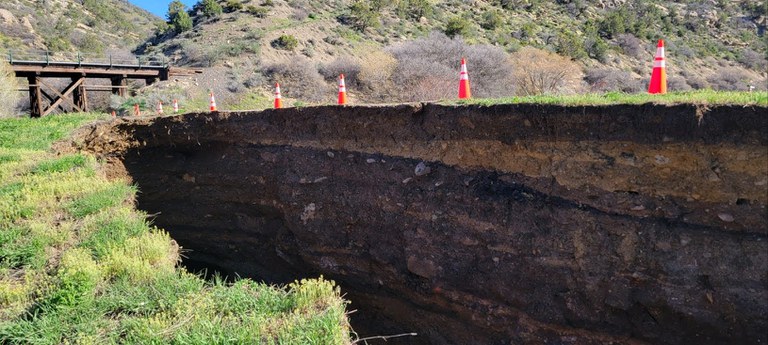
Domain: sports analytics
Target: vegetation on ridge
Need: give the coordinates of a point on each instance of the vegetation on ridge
(700, 97)
(78, 264)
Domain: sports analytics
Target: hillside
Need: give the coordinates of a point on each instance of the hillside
(407, 50)
(253, 43)
(93, 27)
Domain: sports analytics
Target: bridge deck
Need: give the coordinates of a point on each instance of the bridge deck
(76, 93)
(60, 69)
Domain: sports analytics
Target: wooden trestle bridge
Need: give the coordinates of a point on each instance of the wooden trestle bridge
(44, 97)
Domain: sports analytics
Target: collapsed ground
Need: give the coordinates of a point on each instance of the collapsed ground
(506, 223)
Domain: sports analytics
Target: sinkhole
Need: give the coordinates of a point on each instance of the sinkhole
(463, 226)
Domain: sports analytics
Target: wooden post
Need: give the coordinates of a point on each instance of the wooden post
(79, 95)
(118, 86)
(35, 99)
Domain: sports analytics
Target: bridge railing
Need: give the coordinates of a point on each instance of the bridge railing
(41, 56)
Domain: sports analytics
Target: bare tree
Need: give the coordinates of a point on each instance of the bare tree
(8, 92)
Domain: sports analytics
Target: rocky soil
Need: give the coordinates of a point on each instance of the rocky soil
(476, 225)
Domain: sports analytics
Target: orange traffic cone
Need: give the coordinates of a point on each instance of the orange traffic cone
(464, 92)
(159, 107)
(175, 106)
(342, 91)
(278, 97)
(136, 110)
(213, 102)
(659, 74)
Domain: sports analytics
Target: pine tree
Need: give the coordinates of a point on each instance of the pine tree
(178, 17)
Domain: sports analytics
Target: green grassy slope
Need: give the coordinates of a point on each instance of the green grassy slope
(79, 264)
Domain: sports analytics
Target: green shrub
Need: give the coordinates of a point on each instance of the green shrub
(285, 42)
(569, 44)
(414, 9)
(91, 44)
(457, 26)
(181, 22)
(57, 44)
(257, 11)
(491, 20)
(233, 5)
(596, 48)
(361, 16)
(209, 8)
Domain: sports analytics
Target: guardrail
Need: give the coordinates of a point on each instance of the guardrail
(76, 58)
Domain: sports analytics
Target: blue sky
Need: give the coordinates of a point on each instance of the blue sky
(159, 7)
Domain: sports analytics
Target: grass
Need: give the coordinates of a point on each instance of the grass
(79, 264)
(707, 97)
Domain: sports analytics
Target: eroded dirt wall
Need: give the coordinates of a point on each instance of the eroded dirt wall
(625, 224)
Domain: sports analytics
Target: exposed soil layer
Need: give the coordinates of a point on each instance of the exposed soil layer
(530, 224)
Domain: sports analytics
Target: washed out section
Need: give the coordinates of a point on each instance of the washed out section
(470, 224)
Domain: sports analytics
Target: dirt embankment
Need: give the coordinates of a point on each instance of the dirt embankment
(527, 224)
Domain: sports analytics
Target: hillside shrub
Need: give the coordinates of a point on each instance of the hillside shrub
(174, 8)
(491, 20)
(8, 93)
(257, 11)
(375, 75)
(617, 22)
(608, 79)
(730, 79)
(457, 26)
(285, 42)
(414, 9)
(528, 5)
(542, 72)
(570, 44)
(209, 8)
(182, 22)
(361, 16)
(675, 83)
(90, 43)
(596, 48)
(233, 6)
(631, 45)
(299, 14)
(428, 68)
(753, 60)
(348, 66)
(696, 82)
(298, 79)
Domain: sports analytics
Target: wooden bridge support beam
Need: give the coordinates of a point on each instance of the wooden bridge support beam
(35, 98)
(61, 97)
(80, 94)
(119, 86)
